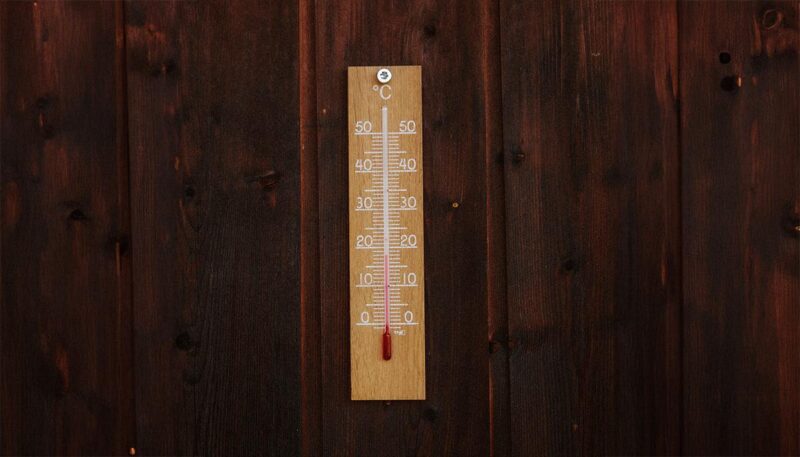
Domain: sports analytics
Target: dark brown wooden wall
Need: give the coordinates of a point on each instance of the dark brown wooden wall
(623, 262)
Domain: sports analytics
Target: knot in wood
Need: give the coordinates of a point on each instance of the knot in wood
(771, 18)
(268, 180)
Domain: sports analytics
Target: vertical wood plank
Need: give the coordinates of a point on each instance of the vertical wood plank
(741, 168)
(591, 150)
(310, 326)
(497, 318)
(66, 383)
(215, 157)
(448, 39)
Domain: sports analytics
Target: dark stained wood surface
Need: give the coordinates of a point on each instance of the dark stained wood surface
(612, 242)
(592, 226)
(215, 180)
(496, 288)
(66, 374)
(310, 325)
(741, 222)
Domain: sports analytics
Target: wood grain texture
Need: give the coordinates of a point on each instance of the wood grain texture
(447, 39)
(741, 212)
(592, 226)
(624, 242)
(496, 287)
(387, 239)
(310, 326)
(65, 371)
(215, 155)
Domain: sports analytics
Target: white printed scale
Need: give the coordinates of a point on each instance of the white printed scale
(387, 332)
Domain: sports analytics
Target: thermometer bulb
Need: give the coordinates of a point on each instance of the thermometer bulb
(387, 344)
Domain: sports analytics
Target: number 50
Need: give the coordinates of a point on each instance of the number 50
(363, 126)
(408, 126)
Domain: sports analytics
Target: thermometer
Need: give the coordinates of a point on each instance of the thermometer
(387, 309)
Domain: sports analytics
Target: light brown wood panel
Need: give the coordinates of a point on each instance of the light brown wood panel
(387, 271)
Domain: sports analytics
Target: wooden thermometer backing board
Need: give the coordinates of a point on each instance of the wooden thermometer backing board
(387, 294)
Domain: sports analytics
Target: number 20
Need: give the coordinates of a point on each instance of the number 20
(364, 241)
(408, 241)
